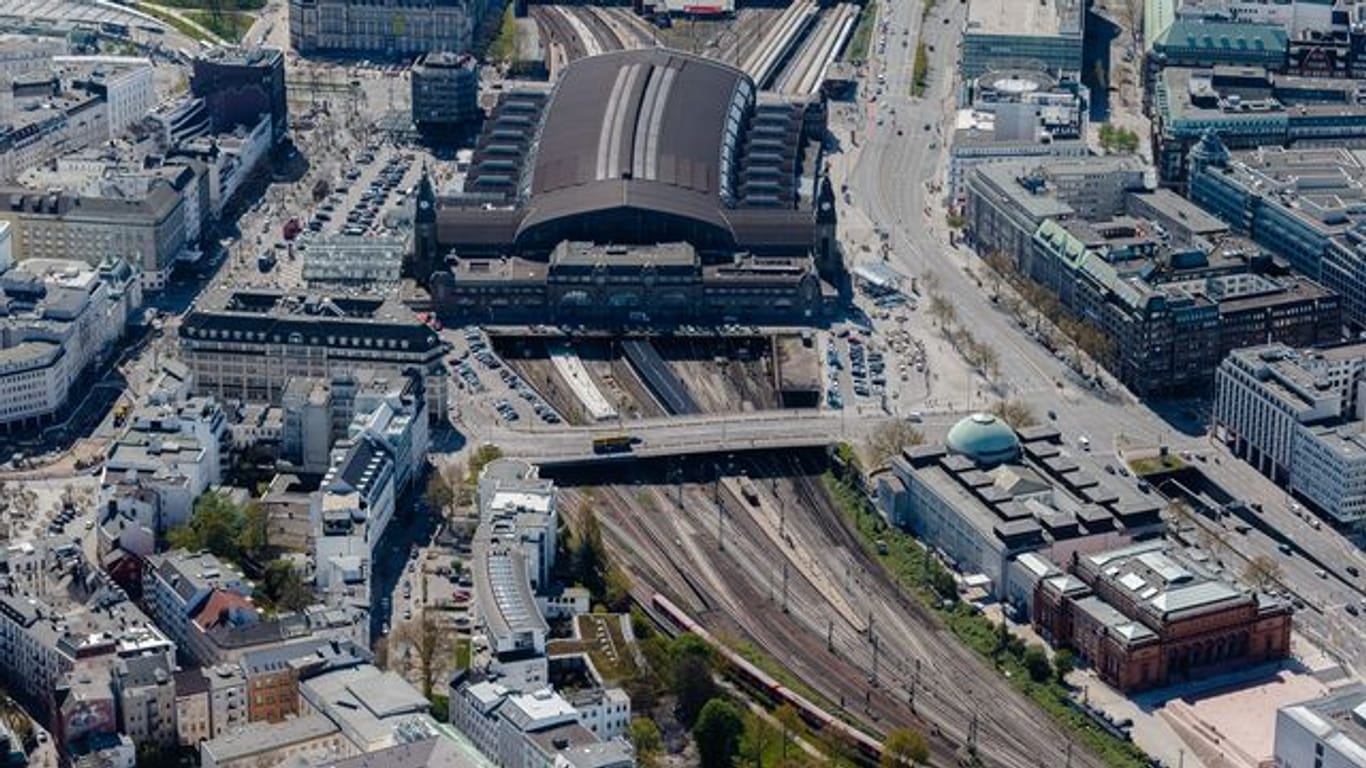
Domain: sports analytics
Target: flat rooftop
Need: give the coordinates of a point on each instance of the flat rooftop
(1045, 18)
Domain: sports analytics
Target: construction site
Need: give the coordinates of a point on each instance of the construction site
(755, 548)
(590, 380)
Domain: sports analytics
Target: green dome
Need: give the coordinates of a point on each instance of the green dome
(985, 439)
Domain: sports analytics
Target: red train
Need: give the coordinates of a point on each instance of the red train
(780, 694)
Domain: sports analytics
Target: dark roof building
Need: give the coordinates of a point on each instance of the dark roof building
(641, 148)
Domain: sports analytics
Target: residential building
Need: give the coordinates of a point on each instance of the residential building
(1297, 416)
(1002, 33)
(364, 261)
(239, 85)
(1324, 733)
(987, 494)
(445, 92)
(531, 730)
(273, 674)
(179, 585)
(1015, 114)
(145, 229)
(146, 691)
(192, 718)
(354, 27)
(248, 344)
(1305, 205)
(313, 739)
(1143, 617)
(1249, 107)
(372, 707)
(228, 710)
(59, 322)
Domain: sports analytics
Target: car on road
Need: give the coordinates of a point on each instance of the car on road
(1352, 569)
(1352, 610)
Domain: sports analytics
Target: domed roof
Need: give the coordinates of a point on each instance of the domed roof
(985, 439)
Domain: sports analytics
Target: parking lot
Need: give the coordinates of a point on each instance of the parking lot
(488, 390)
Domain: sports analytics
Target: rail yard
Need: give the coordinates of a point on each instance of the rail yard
(788, 576)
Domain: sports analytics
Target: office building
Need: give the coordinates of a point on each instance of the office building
(60, 321)
(1144, 617)
(1203, 43)
(709, 201)
(1040, 35)
(146, 229)
(229, 158)
(1249, 107)
(48, 123)
(356, 502)
(239, 85)
(1304, 205)
(1014, 115)
(445, 92)
(987, 495)
(123, 82)
(175, 452)
(518, 505)
(1325, 733)
(248, 344)
(357, 27)
(312, 739)
(1297, 417)
(373, 708)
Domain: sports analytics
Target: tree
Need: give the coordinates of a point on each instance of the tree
(1064, 661)
(285, 587)
(790, 721)
(1036, 663)
(904, 746)
(943, 312)
(439, 494)
(889, 438)
(717, 733)
(431, 646)
(214, 525)
(692, 666)
(589, 557)
(646, 740)
(1016, 413)
(1262, 572)
(759, 733)
(254, 537)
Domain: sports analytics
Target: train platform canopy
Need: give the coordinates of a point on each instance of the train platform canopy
(879, 275)
(641, 146)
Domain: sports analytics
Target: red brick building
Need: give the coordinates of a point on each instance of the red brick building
(1144, 619)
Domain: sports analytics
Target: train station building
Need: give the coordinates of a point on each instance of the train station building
(647, 186)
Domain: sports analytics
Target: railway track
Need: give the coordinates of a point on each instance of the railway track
(804, 73)
(740, 589)
(556, 30)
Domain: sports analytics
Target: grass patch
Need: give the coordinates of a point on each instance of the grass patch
(857, 52)
(1155, 464)
(921, 575)
(175, 23)
(503, 48)
(462, 652)
(208, 5)
(920, 70)
(228, 25)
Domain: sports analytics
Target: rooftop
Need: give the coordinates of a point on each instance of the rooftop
(1338, 720)
(261, 737)
(1044, 18)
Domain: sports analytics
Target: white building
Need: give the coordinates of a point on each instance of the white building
(178, 451)
(124, 81)
(231, 159)
(175, 589)
(355, 504)
(1326, 733)
(1297, 417)
(515, 504)
(60, 319)
(6, 247)
(532, 730)
(354, 260)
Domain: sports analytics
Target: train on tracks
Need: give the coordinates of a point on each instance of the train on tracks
(759, 680)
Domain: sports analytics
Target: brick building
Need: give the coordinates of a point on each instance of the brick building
(1144, 619)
